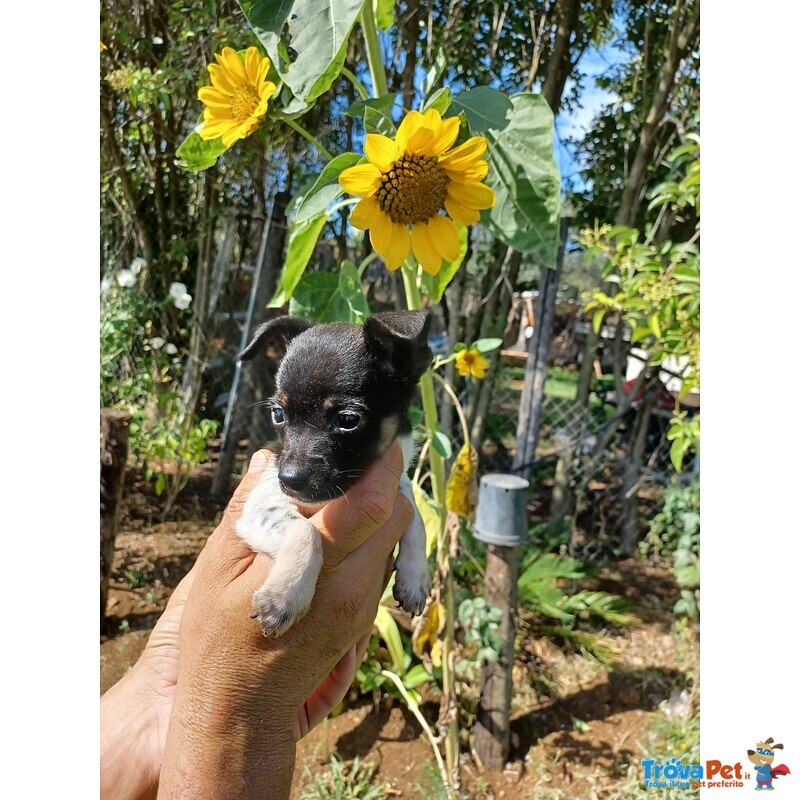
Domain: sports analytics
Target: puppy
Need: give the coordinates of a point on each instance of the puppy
(342, 398)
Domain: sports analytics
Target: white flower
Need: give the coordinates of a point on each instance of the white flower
(105, 284)
(183, 302)
(156, 342)
(137, 264)
(171, 349)
(126, 278)
(176, 290)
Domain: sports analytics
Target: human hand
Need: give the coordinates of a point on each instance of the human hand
(142, 701)
(242, 699)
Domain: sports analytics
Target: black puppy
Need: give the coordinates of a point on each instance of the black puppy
(342, 397)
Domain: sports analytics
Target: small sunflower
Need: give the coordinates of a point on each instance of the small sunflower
(409, 180)
(471, 362)
(236, 101)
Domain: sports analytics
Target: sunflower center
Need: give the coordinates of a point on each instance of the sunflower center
(413, 190)
(244, 102)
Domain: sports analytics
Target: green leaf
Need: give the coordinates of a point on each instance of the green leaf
(440, 100)
(302, 241)
(384, 15)
(434, 73)
(314, 31)
(487, 345)
(441, 444)
(383, 104)
(377, 120)
(525, 179)
(327, 297)
(431, 517)
(416, 676)
(196, 154)
(597, 319)
(486, 109)
(326, 187)
(389, 632)
(436, 284)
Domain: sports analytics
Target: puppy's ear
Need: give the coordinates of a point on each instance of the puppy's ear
(402, 336)
(283, 328)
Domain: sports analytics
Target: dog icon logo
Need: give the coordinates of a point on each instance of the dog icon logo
(762, 757)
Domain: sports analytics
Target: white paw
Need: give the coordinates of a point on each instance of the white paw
(277, 610)
(412, 584)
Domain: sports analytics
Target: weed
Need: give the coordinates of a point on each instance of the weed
(343, 782)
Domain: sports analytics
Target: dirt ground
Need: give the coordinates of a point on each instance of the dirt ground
(578, 727)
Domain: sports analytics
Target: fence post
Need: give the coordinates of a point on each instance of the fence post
(530, 416)
(113, 458)
(502, 522)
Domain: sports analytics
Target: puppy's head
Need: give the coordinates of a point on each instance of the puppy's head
(342, 395)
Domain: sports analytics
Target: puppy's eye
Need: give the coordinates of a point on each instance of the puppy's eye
(278, 417)
(347, 420)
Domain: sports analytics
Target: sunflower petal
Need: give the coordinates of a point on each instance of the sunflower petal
(263, 69)
(252, 62)
(474, 173)
(461, 156)
(461, 214)
(381, 151)
(399, 246)
(362, 180)
(472, 195)
(433, 120)
(408, 127)
(444, 237)
(216, 128)
(232, 61)
(213, 97)
(426, 253)
(447, 135)
(364, 215)
(221, 79)
(421, 143)
(380, 234)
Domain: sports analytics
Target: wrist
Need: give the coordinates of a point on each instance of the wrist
(222, 744)
(129, 752)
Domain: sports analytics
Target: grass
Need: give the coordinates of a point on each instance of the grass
(342, 782)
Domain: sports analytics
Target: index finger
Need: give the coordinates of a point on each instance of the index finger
(349, 520)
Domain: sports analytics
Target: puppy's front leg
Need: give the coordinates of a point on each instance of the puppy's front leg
(413, 581)
(270, 524)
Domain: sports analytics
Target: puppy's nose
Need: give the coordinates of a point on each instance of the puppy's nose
(294, 477)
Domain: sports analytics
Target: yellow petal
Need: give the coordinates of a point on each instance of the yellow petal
(399, 246)
(363, 216)
(421, 142)
(426, 253)
(252, 62)
(433, 120)
(408, 127)
(447, 135)
(221, 79)
(213, 97)
(444, 237)
(215, 129)
(263, 69)
(461, 156)
(475, 173)
(267, 89)
(380, 234)
(381, 151)
(461, 214)
(232, 61)
(471, 195)
(362, 180)
(234, 134)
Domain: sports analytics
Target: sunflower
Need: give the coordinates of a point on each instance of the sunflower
(409, 180)
(471, 362)
(236, 101)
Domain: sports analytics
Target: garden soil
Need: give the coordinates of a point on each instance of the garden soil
(578, 728)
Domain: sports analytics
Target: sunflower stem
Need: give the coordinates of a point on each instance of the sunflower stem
(323, 151)
(380, 88)
(359, 87)
(443, 561)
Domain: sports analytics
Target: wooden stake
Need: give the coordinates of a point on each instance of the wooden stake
(113, 458)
